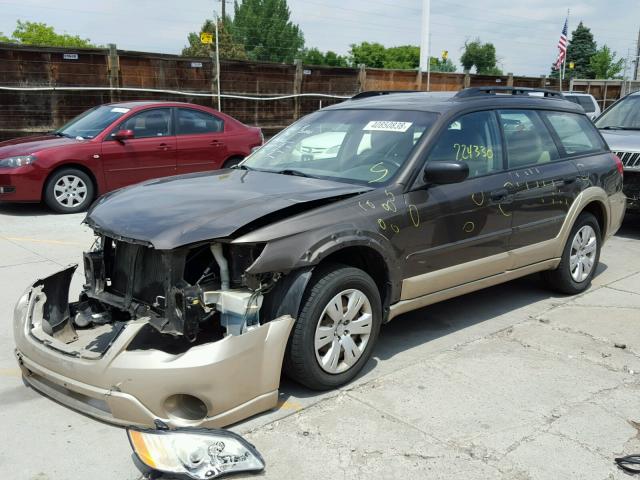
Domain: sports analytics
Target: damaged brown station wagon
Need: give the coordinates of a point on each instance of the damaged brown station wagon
(200, 289)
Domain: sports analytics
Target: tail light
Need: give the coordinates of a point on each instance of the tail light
(619, 164)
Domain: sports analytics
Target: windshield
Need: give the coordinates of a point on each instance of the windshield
(91, 123)
(356, 146)
(624, 115)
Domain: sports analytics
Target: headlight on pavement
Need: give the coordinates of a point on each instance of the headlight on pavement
(20, 161)
(198, 454)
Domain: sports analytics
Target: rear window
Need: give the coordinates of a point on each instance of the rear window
(576, 132)
(586, 103)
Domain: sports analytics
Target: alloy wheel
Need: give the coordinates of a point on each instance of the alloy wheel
(343, 331)
(70, 191)
(583, 253)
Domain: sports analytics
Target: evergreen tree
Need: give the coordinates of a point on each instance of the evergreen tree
(580, 50)
(266, 31)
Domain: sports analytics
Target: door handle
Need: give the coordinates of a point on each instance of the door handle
(499, 195)
(216, 143)
(163, 146)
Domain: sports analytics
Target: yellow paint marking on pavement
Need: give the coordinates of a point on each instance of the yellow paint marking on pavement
(289, 405)
(10, 372)
(39, 240)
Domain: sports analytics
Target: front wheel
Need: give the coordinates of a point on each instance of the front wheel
(580, 257)
(69, 191)
(336, 329)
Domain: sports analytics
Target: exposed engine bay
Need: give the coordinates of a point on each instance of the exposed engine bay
(188, 296)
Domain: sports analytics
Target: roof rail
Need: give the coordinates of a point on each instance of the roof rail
(375, 93)
(492, 90)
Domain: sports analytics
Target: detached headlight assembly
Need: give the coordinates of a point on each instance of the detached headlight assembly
(20, 161)
(198, 454)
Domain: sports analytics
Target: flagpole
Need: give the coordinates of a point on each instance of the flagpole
(564, 62)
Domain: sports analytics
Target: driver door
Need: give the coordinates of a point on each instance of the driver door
(460, 232)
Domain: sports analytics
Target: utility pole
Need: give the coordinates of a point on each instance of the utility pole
(217, 57)
(426, 34)
(223, 8)
(636, 70)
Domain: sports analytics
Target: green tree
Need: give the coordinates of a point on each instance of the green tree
(35, 33)
(405, 57)
(334, 60)
(604, 65)
(313, 56)
(228, 48)
(4, 38)
(441, 65)
(482, 56)
(579, 51)
(266, 31)
(371, 54)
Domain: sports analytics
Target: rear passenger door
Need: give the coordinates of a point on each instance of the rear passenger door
(544, 182)
(201, 142)
(462, 223)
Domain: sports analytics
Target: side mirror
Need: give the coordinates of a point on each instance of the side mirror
(445, 172)
(122, 135)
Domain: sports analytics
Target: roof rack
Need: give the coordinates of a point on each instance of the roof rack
(376, 93)
(491, 90)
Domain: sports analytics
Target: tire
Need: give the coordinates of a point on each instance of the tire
(302, 359)
(583, 245)
(69, 191)
(232, 162)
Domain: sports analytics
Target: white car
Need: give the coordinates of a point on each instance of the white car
(586, 101)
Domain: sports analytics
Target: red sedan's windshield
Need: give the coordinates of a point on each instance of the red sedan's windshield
(92, 122)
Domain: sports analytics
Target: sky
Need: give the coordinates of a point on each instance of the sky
(524, 32)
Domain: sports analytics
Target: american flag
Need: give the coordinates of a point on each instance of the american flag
(562, 46)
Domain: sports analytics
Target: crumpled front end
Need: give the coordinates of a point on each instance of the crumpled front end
(172, 335)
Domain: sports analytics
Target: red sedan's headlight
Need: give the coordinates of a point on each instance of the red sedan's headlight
(19, 161)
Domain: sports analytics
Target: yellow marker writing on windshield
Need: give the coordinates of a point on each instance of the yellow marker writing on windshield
(382, 171)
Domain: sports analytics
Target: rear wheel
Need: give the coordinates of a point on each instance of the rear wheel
(69, 191)
(580, 257)
(336, 329)
(232, 162)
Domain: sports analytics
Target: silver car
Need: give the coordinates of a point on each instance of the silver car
(620, 126)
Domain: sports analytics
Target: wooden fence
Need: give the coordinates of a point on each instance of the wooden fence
(42, 88)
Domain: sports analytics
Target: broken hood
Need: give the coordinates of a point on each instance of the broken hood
(176, 211)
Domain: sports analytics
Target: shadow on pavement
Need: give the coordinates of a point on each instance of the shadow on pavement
(630, 227)
(25, 209)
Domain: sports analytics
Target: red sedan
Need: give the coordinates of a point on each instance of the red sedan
(116, 145)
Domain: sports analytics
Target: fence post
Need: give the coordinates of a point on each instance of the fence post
(362, 78)
(297, 88)
(113, 62)
(509, 79)
(543, 81)
(419, 79)
(467, 79)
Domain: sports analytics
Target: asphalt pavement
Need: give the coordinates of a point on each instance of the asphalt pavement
(513, 382)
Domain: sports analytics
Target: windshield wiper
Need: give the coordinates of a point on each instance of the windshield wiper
(295, 173)
(619, 127)
(241, 167)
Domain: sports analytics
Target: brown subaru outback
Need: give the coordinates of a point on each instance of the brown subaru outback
(199, 288)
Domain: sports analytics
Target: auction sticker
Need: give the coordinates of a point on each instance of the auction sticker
(387, 126)
(119, 110)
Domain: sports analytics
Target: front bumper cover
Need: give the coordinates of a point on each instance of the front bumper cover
(235, 377)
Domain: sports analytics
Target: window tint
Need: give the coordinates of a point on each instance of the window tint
(577, 133)
(150, 123)
(473, 138)
(527, 139)
(586, 103)
(193, 122)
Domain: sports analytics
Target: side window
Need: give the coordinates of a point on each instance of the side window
(587, 103)
(473, 138)
(193, 122)
(527, 139)
(576, 132)
(150, 123)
